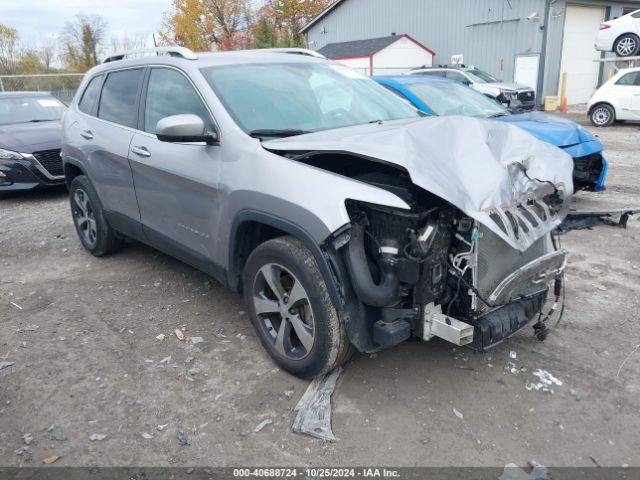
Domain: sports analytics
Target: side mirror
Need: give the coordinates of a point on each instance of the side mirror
(184, 128)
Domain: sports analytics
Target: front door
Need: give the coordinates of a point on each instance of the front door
(626, 91)
(176, 183)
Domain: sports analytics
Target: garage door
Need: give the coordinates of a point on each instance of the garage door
(578, 54)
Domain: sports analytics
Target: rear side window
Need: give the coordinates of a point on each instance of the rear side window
(89, 99)
(630, 79)
(458, 77)
(118, 102)
(170, 93)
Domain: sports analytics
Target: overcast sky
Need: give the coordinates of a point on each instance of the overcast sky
(36, 20)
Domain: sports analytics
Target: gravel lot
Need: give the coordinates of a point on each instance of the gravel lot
(87, 361)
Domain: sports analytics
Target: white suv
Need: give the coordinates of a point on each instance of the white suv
(620, 36)
(618, 99)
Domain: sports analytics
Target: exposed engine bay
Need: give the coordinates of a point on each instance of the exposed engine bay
(432, 270)
(471, 260)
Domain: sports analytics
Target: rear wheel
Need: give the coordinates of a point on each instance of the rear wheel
(88, 217)
(602, 115)
(628, 45)
(291, 309)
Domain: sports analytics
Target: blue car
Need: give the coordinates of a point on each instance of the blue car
(438, 96)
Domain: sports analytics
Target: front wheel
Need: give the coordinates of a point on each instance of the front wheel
(88, 217)
(291, 309)
(628, 45)
(602, 115)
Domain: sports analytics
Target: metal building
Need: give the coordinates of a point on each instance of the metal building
(530, 41)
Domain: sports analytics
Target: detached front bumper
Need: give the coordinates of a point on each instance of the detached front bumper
(589, 166)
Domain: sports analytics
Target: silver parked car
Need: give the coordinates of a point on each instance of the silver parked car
(344, 217)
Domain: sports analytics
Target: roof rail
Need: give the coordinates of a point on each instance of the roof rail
(295, 51)
(171, 51)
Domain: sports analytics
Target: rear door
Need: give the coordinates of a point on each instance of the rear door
(108, 116)
(176, 183)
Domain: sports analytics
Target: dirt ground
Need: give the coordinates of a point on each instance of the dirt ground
(87, 361)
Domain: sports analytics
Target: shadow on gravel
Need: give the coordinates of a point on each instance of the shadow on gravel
(39, 194)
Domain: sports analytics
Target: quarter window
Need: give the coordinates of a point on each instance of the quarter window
(170, 93)
(118, 102)
(90, 96)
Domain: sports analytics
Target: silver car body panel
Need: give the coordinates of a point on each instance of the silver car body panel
(483, 176)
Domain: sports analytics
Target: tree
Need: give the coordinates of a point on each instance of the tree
(9, 55)
(291, 15)
(265, 37)
(205, 24)
(82, 42)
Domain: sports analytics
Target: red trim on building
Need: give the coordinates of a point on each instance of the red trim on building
(371, 66)
(409, 37)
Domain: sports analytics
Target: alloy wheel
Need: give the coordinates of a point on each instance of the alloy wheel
(601, 116)
(626, 46)
(282, 307)
(84, 217)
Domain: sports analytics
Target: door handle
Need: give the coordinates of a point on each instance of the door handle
(86, 134)
(141, 151)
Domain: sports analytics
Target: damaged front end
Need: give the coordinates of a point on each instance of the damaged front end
(472, 259)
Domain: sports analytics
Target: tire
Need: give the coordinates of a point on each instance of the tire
(291, 310)
(602, 115)
(628, 45)
(88, 217)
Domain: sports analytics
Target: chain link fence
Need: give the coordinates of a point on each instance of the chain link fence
(62, 85)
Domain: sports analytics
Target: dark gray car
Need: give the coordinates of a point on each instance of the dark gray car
(30, 131)
(344, 217)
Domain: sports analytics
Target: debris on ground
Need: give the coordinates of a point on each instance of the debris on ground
(288, 394)
(165, 360)
(51, 459)
(191, 373)
(4, 364)
(16, 305)
(97, 437)
(458, 413)
(162, 427)
(147, 436)
(514, 369)
(183, 441)
(195, 340)
(219, 332)
(161, 337)
(514, 472)
(27, 438)
(262, 424)
(179, 335)
(547, 380)
(625, 360)
(314, 408)
(513, 354)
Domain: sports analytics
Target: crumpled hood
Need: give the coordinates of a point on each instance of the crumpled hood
(31, 137)
(552, 129)
(469, 162)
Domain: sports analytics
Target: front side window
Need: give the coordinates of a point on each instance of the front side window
(630, 79)
(24, 109)
(448, 98)
(118, 102)
(170, 93)
(90, 96)
(479, 76)
(302, 96)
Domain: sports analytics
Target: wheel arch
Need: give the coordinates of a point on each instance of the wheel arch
(251, 228)
(604, 102)
(72, 169)
(622, 35)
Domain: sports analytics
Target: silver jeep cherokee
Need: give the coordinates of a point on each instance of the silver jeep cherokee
(345, 217)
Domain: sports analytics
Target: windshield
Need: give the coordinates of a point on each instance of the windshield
(302, 97)
(30, 109)
(452, 98)
(479, 76)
